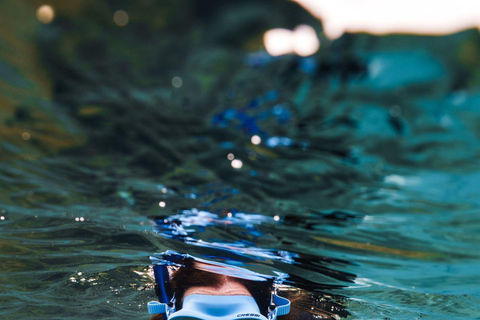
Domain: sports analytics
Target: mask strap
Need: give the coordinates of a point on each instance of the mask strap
(165, 305)
(162, 279)
(155, 307)
(283, 305)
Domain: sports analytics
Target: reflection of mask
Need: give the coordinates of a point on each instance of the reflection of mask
(209, 307)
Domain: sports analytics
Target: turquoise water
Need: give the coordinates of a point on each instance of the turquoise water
(363, 188)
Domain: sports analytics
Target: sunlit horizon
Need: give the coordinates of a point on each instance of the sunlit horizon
(379, 17)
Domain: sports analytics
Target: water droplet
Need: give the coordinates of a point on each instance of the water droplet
(256, 139)
(45, 14)
(237, 164)
(177, 82)
(26, 136)
(121, 18)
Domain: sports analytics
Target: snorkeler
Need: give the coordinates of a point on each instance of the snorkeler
(198, 290)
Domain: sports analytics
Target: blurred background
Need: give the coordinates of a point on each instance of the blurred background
(335, 143)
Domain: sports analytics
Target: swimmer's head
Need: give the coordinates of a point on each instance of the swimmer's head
(200, 294)
(198, 290)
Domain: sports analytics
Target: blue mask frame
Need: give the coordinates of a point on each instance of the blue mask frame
(208, 307)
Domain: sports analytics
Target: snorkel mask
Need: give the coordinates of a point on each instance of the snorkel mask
(208, 307)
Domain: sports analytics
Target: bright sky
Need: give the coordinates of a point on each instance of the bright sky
(389, 16)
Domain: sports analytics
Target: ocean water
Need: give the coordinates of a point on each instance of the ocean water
(353, 173)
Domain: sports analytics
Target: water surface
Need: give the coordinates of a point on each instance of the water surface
(363, 188)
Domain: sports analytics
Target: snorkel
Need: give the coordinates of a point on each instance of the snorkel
(204, 306)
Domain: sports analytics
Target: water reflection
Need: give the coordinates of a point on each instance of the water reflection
(246, 245)
(175, 259)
